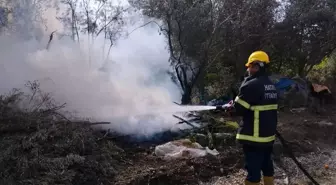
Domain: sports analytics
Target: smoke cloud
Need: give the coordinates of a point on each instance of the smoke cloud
(131, 89)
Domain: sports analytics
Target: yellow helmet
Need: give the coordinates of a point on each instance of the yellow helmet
(260, 56)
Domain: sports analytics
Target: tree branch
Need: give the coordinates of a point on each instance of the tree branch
(115, 17)
(145, 25)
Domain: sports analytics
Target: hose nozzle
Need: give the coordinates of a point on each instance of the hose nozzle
(225, 107)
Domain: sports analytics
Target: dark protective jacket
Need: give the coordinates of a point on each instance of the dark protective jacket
(257, 104)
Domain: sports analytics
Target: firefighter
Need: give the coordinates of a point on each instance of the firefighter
(256, 102)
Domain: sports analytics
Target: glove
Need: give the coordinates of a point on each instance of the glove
(225, 107)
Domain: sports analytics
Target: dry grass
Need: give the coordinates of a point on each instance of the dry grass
(39, 146)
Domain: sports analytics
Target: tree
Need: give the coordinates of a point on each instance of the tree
(190, 50)
(210, 38)
(203, 33)
(69, 18)
(305, 36)
(93, 17)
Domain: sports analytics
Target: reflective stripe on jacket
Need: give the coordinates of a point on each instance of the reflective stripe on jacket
(257, 103)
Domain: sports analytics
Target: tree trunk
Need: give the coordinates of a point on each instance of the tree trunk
(280, 65)
(186, 97)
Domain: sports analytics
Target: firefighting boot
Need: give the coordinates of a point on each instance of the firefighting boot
(268, 180)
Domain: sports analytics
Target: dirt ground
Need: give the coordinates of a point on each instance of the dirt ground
(311, 137)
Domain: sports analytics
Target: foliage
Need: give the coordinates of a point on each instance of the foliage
(304, 37)
(328, 68)
(209, 40)
(206, 37)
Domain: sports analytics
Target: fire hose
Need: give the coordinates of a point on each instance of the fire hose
(292, 156)
(287, 148)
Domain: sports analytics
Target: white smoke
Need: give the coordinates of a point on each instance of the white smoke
(133, 82)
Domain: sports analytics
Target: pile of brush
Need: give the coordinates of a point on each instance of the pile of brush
(39, 146)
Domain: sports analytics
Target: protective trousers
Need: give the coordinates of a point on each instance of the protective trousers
(258, 159)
